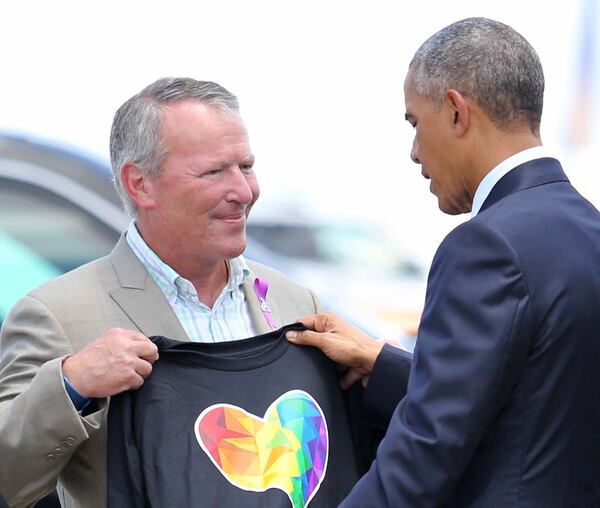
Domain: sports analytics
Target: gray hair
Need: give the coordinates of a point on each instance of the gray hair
(488, 62)
(135, 136)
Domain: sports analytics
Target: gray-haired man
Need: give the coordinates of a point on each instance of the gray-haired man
(184, 169)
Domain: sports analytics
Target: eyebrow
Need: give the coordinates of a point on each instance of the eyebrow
(222, 162)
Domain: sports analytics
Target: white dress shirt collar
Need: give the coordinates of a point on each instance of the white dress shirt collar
(493, 177)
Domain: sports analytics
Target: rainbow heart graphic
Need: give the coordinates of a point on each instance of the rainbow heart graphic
(287, 449)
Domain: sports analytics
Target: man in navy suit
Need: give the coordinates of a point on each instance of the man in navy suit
(502, 407)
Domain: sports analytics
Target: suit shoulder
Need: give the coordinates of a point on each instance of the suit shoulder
(273, 276)
(293, 300)
(473, 233)
(71, 282)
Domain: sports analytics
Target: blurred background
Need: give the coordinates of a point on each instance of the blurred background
(342, 209)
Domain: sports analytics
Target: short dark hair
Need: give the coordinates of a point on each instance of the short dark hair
(488, 62)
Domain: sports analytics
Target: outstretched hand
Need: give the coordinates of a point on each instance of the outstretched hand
(341, 342)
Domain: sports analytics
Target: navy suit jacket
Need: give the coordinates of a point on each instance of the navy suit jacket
(502, 407)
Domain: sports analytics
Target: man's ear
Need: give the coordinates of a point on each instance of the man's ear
(139, 185)
(459, 110)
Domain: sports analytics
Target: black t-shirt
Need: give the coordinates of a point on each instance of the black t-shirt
(257, 422)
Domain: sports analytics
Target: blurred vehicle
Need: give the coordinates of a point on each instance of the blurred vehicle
(58, 210)
(355, 269)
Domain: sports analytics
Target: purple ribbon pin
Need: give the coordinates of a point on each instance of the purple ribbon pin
(261, 287)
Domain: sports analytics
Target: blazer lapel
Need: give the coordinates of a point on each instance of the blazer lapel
(258, 318)
(527, 175)
(140, 297)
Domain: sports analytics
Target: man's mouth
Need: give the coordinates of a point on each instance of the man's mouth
(234, 217)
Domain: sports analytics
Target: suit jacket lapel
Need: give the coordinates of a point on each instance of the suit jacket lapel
(140, 297)
(527, 175)
(258, 318)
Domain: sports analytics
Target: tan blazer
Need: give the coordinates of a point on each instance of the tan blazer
(42, 438)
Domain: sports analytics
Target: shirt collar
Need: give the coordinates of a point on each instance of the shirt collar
(171, 283)
(238, 272)
(493, 177)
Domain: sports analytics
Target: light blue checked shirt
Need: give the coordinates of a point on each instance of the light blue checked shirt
(229, 319)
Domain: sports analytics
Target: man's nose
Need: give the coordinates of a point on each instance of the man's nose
(414, 152)
(240, 190)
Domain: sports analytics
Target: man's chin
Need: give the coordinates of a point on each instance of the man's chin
(453, 208)
(235, 249)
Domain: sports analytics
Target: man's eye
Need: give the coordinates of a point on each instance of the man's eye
(246, 168)
(213, 172)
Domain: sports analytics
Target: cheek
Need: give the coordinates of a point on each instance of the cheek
(203, 199)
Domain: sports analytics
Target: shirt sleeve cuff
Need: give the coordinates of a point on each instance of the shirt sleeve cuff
(79, 401)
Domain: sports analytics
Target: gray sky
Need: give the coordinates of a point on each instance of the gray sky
(320, 84)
